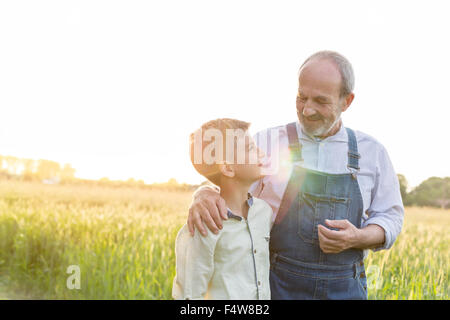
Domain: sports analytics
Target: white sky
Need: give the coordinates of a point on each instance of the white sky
(115, 87)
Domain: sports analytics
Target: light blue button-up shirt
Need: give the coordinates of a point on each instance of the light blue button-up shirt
(377, 179)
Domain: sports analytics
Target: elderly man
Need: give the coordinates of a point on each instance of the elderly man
(337, 196)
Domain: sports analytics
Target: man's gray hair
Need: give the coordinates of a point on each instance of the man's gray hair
(344, 66)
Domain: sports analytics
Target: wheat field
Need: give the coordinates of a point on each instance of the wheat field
(122, 241)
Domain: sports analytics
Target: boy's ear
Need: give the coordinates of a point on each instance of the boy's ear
(227, 170)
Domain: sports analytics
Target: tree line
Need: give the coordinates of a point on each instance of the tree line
(51, 172)
(30, 169)
(434, 191)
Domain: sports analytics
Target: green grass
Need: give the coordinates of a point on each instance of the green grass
(417, 266)
(123, 240)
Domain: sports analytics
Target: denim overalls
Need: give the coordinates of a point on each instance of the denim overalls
(299, 268)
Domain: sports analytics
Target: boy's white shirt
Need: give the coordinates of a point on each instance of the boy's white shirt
(221, 266)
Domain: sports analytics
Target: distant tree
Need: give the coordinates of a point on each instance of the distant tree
(432, 192)
(131, 181)
(29, 169)
(47, 169)
(12, 164)
(172, 182)
(67, 173)
(403, 190)
(443, 203)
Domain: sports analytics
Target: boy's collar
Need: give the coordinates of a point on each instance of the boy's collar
(249, 202)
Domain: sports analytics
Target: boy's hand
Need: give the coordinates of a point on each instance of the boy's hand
(208, 207)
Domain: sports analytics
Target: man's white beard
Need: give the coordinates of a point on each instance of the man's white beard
(324, 130)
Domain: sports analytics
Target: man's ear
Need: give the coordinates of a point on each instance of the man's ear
(347, 101)
(227, 170)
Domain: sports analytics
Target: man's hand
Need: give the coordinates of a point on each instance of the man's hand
(208, 207)
(332, 241)
(349, 236)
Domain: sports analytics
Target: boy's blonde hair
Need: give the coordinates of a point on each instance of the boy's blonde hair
(211, 171)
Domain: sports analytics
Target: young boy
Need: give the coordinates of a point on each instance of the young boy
(233, 264)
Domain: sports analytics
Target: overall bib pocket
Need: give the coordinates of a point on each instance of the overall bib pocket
(314, 209)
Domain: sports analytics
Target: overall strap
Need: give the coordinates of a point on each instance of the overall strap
(297, 174)
(294, 144)
(353, 155)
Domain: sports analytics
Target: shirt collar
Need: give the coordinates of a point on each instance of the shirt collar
(340, 136)
(249, 202)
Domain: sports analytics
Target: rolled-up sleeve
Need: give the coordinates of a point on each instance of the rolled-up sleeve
(386, 209)
(194, 264)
